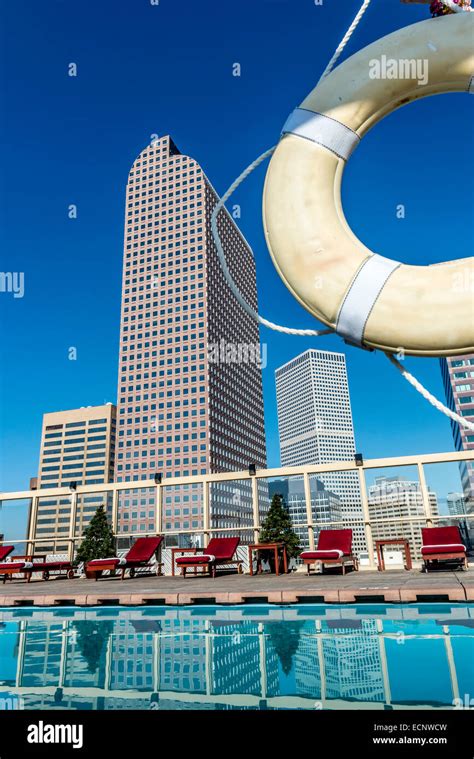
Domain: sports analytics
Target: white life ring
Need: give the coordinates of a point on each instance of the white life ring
(368, 299)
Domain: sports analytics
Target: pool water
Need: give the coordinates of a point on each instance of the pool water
(240, 657)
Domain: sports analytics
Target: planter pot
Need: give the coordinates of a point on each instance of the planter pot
(91, 575)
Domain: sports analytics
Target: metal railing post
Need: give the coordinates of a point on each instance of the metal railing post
(309, 511)
(425, 496)
(255, 510)
(159, 509)
(366, 515)
(72, 525)
(115, 508)
(206, 511)
(33, 517)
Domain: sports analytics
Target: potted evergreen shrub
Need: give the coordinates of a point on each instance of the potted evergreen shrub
(98, 540)
(278, 528)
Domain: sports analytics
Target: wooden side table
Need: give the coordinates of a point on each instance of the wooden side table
(176, 550)
(379, 546)
(269, 547)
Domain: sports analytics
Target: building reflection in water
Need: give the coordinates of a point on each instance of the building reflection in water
(238, 658)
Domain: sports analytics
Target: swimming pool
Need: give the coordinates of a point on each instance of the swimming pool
(238, 657)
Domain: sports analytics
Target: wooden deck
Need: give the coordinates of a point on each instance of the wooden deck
(354, 587)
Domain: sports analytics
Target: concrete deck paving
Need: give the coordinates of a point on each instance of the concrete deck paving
(355, 587)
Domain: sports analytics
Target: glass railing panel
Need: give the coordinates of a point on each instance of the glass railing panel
(136, 513)
(183, 514)
(230, 508)
(453, 483)
(336, 503)
(396, 509)
(14, 519)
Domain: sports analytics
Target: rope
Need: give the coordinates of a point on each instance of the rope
(345, 40)
(215, 233)
(428, 396)
(221, 254)
(314, 332)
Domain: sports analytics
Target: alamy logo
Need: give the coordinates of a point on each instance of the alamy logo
(464, 703)
(11, 702)
(12, 282)
(237, 353)
(402, 68)
(45, 733)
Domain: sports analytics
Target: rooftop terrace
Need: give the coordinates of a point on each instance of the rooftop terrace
(428, 500)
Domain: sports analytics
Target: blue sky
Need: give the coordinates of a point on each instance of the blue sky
(146, 69)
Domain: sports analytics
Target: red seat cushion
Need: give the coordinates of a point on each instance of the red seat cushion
(222, 548)
(194, 559)
(18, 565)
(440, 536)
(39, 566)
(320, 555)
(98, 563)
(454, 548)
(143, 549)
(335, 539)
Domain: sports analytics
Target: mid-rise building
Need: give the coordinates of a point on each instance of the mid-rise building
(190, 398)
(315, 425)
(456, 504)
(400, 499)
(77, 446)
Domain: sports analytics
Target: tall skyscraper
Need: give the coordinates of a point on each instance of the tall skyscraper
(315, 424)
(190, 400)
(76, 446)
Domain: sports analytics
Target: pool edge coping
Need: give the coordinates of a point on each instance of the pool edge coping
(438, 594)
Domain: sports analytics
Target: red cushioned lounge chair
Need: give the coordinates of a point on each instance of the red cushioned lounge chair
(442, 544)
(220, 551)
(27, 567)
(5, 551)
(334, 547)
(14, 567)
(138, 557)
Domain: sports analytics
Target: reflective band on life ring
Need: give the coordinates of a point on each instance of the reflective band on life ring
(368, 299)
(325, 131)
